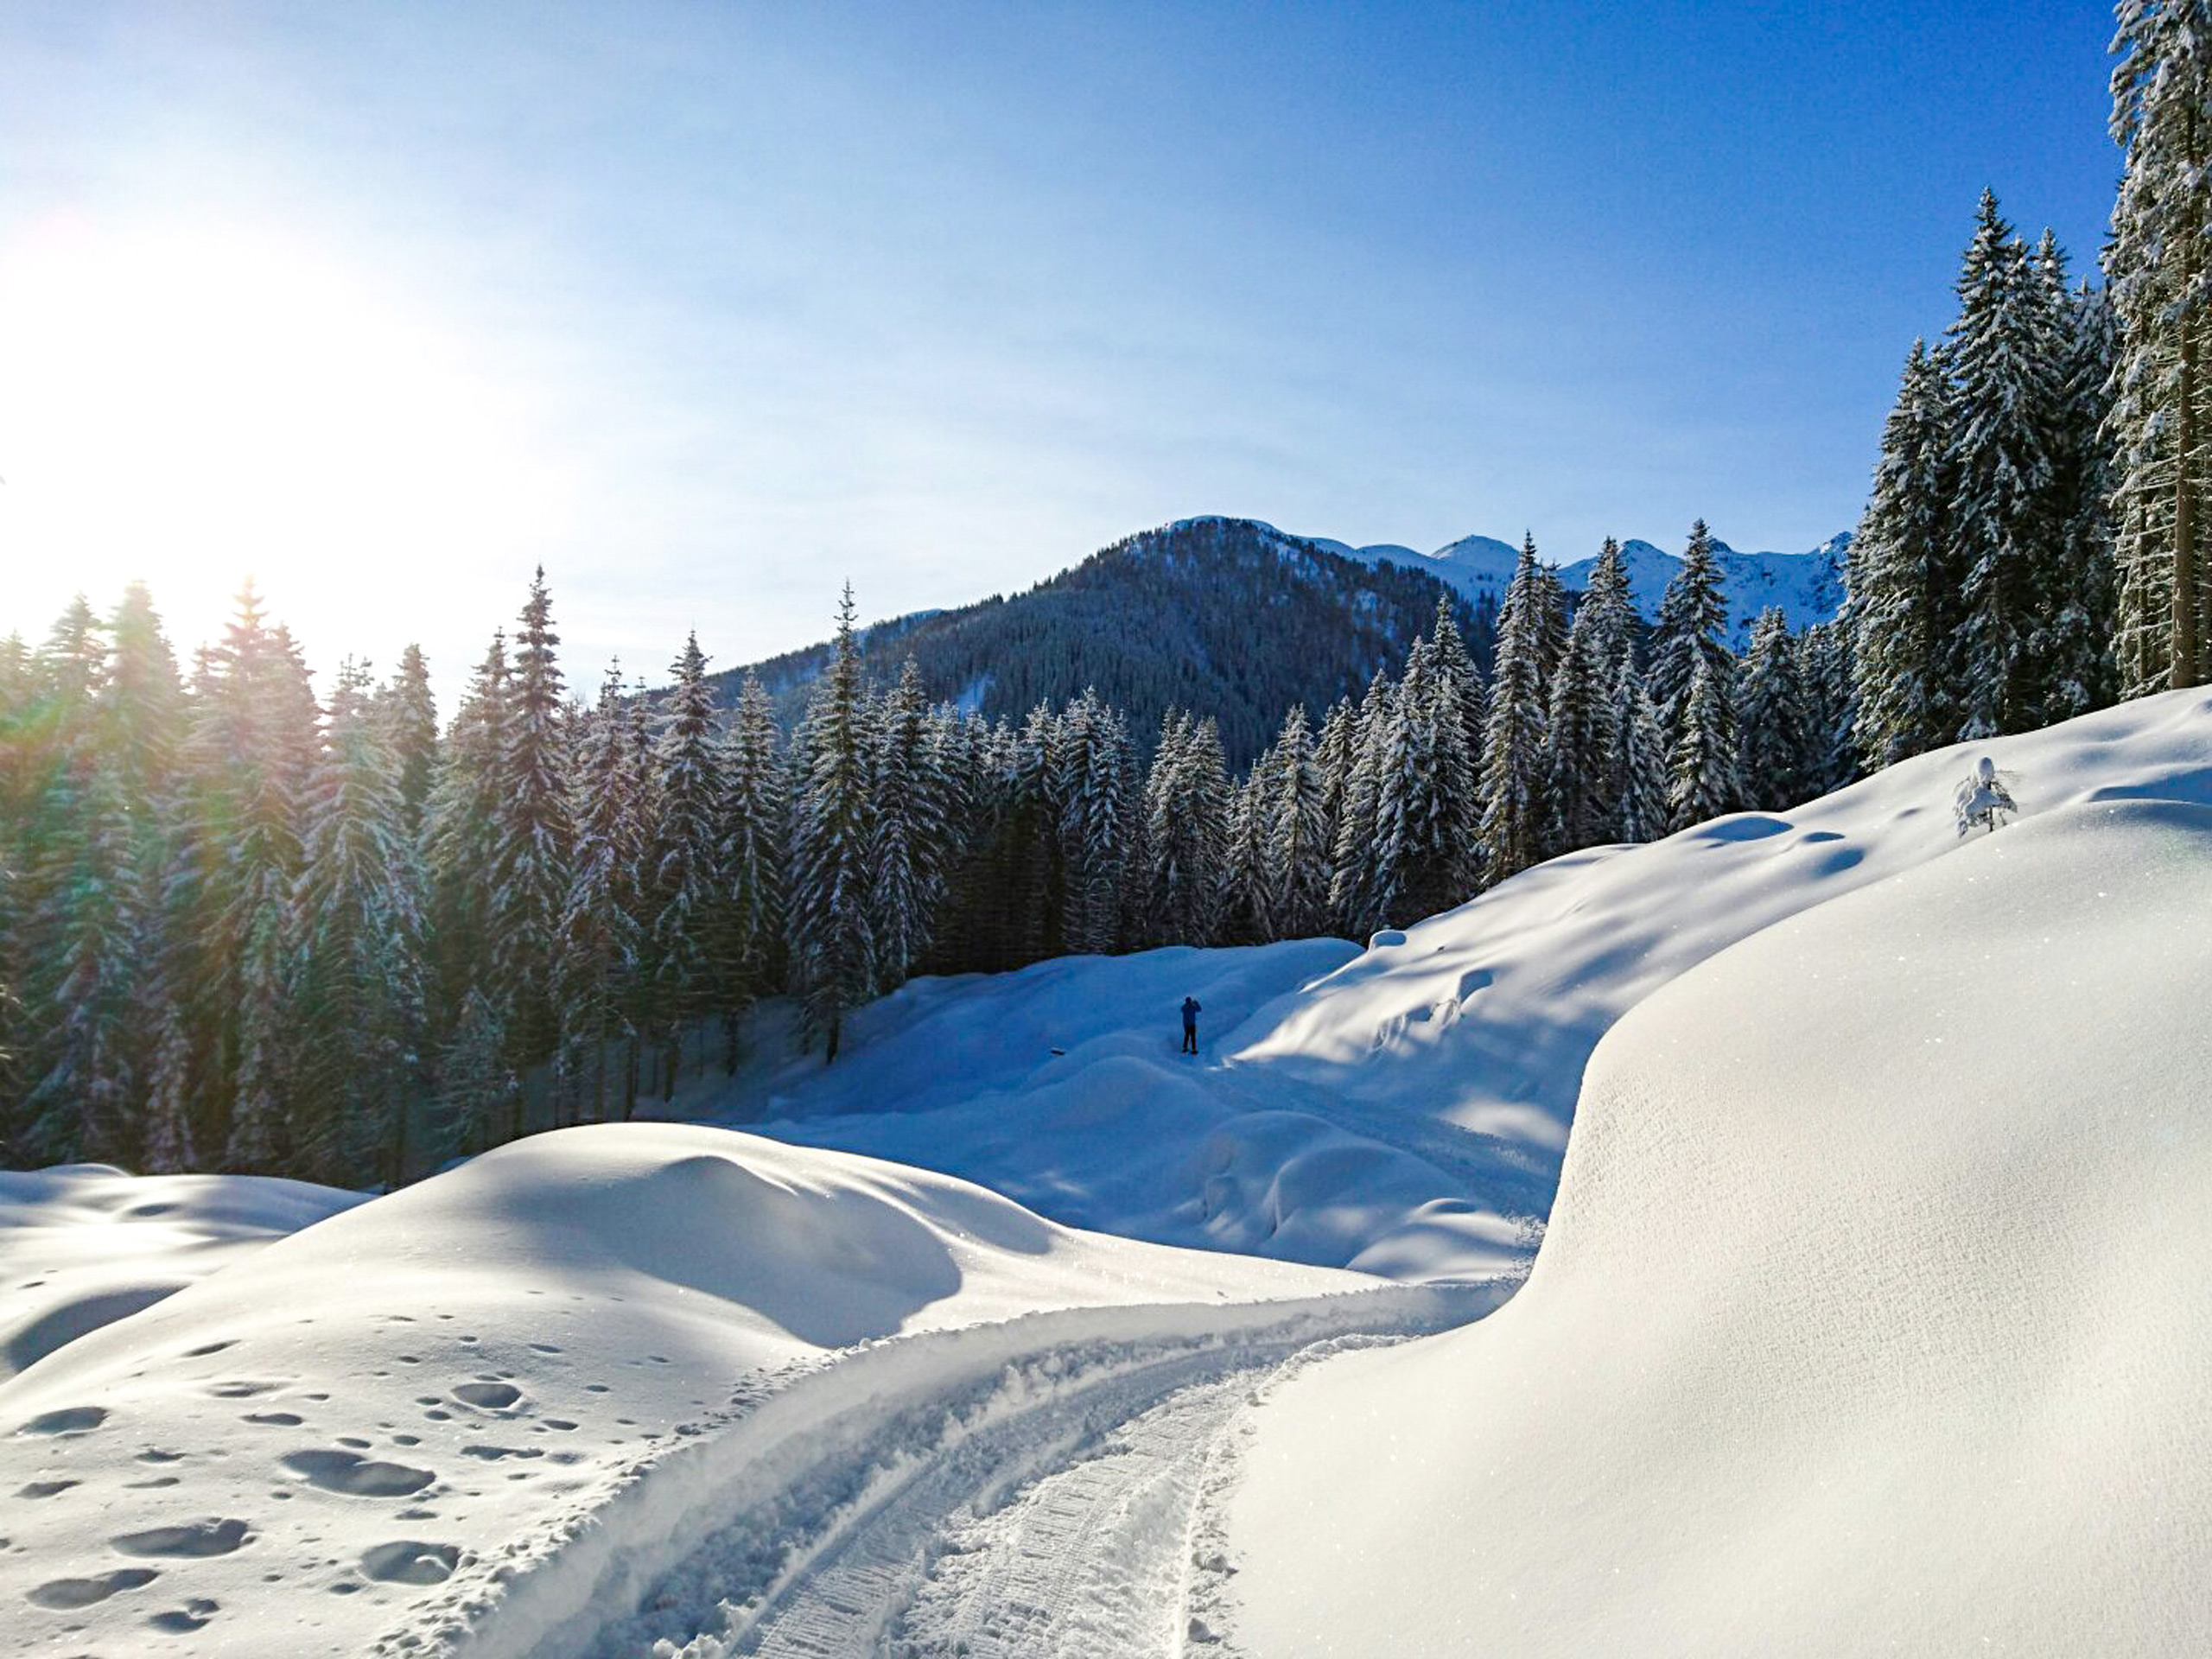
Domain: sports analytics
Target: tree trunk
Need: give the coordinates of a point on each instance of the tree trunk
(2186, 667)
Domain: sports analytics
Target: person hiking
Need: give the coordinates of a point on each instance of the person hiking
(1190, 1024)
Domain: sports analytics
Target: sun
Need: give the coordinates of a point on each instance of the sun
(190, 402)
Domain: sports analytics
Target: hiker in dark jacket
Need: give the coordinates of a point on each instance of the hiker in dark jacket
(1190, 1024)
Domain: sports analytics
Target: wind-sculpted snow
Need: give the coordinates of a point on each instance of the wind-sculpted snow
(1872, 1317)
(1401, 1109)
(382, 1427)
(84, 1245)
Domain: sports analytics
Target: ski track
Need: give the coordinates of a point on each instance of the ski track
(1056, 1506)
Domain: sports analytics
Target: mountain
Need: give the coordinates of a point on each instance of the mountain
(1808, 587)
(1238, 620)
(1226, 616)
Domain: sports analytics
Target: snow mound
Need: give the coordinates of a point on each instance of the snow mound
(84, 1244)
(426, 1395)
(1060, 1085)
(1872, 1317)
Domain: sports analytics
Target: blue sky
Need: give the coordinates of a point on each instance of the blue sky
(714, 306)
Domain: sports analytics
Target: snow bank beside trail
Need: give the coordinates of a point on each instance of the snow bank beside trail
(1483, 1017)
(1401, 1109)
(433, 1392)
(1873, 1316)
(84, 1244)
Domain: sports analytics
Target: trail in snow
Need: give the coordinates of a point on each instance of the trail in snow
(1059, 1505)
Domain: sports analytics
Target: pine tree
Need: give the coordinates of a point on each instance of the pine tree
(1296, 894)
(2005, 396)
(1094, 765)
(1776, 742)
(754, 827)
(358, 1006)
(602, 923)
(463, 830)
(477, 1091)
(529, 870)
(1904, 577)
(1825, 670)
(1580, 729)
(1427, 804)
(1692, 625)
(1187, 826)
(1639, 788)
(2155, 266)
(408, 714)
(1513, 809)
(910, 851)
(685, 888)
(165, 1145)
(1458, 680)
(1362, 890)
(2075, 614)
(1704, 777)
(834, 950)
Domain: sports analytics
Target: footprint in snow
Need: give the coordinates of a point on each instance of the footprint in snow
(209, 1537)
(356, 1475)
(487, 1396)
(192, 1615)
(70, 1419)
(406, 1561)
(66, 1595)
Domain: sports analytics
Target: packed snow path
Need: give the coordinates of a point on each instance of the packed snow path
(1060, 1503)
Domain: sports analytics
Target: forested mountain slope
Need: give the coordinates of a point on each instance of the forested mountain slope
(1223, 615)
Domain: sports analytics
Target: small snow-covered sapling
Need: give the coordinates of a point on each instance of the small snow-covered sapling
(1984, 799)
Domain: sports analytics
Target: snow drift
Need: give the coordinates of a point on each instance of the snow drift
(1403, 1109)
(382, 1422)
(1872, 1312)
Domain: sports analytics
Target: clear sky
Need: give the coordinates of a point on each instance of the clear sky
(712, 306)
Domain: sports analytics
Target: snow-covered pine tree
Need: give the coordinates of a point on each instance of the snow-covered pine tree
(602, 923)
(358, 1004)
(1247, 877)
(1704, 775)
(1298, 851)
(1825, 670)
(1427, 805)
(685, 890)
(1361, 889)
(462, 833)
(2075, 609)
(477, 1091)
(911, 847)
(1774, 719)
(1187, 799)
(1639, 787)
(2156, 270)
(408, 714)
(1904, 577)
(165, 1145)
(2005, 399)
(753, 830)
(1094, 763)
(1513, 792)
(529, 871)
(834, 951)
(1692, 628)
(1580, 731)
(1458, 680)
(1333, 755)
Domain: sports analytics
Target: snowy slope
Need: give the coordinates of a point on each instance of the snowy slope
(84, 1244)
(1400, 1109)
(415, 1413)
(1872, 1315)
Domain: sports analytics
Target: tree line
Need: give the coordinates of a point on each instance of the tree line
(250, 929)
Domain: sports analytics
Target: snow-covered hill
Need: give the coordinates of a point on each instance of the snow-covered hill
(1403, 1108)
(1873, 1316)
(443, 1403)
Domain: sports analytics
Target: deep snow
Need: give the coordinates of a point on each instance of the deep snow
(417, 1411)
(1401, 1109)
(1873, 1316)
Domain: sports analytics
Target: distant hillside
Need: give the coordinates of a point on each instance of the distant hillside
(1233, 618)
(1225, 616)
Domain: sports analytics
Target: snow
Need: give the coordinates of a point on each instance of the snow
(1872, 1315)
(1403, 1109)
(417, 1411)
(84, 1244)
